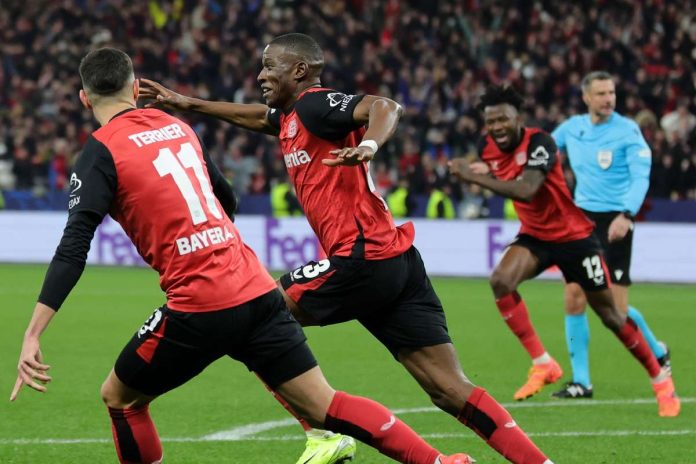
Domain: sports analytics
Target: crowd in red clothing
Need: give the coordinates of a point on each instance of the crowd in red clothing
(434, 57)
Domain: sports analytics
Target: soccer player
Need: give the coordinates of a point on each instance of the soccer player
(373, 273)
(522, 163)
(611, 163)
(149, 171)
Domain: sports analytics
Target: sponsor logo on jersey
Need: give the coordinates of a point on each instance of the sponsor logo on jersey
(644, 153)
(520, 158)
(170, 132)
(539, 157)
(292, 128)
(75, 185)
(604, 158)
(387, 425)
(296, 158)
(338, 98)
(199, 240)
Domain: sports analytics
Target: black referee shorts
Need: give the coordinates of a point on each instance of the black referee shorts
(618, 253)
(172, 347)
(393, 298)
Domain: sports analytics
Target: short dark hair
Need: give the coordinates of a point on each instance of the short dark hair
(594, 76)
(498, 95)
(301, 45)
(105, 71)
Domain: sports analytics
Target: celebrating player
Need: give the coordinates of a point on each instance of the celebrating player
(611, 165)
(524, 165)
(150, 172)
(373, 273)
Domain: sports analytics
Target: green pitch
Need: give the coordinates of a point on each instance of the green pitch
(226, 416)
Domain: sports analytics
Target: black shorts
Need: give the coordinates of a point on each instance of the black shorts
(393, 298)
(172, 347)
(617, 254)
(580, 261)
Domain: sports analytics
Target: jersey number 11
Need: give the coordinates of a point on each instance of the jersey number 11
(187, 158)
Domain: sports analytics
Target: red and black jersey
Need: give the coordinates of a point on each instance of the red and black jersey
(349, 217)
(149, 171)
(551, 215)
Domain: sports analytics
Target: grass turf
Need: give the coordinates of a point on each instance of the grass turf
(109, 304)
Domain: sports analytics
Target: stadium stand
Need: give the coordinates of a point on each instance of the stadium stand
(435, 57)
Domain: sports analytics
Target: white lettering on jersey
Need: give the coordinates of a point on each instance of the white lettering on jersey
(337, 98)
(170, 132)
(204, 239)
(75, 185)
(296, 158)
(539, 157)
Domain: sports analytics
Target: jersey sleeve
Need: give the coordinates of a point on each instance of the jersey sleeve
(559, 135)
(328, 114)
(541, 152)
(92, 189)
(639, 160)
(93, 180)
(481, 146)
(273, 116)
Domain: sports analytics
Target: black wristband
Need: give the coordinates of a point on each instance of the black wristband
(627, 214)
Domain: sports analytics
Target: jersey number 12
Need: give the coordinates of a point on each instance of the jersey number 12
(187, 158)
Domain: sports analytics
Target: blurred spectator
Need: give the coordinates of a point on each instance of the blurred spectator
(678, 124)
(440, 204)
(400, 199)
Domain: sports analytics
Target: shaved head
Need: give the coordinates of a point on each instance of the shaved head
(304, 47)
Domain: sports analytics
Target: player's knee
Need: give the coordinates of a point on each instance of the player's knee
(111, 397)
(574, 300)
(114, 396)
(612, 318)
(451, 398)
(501, 284)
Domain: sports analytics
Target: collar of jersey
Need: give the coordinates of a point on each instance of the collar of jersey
(127, 110)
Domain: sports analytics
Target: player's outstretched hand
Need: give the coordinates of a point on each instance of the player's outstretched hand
(162, 96)
(349, 156)
(31, 370)
(479, 167)
(462, 168)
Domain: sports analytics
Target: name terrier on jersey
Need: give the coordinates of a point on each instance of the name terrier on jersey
(170, 132)
(199, 240)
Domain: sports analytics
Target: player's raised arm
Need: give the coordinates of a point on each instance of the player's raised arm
(381, 115)
(521, 189)
(249, 116)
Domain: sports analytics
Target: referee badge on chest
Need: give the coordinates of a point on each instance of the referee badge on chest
(604, 158)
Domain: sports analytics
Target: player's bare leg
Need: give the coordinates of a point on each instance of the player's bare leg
(437, 370)
(517, 265)
(321, 406)
(135, 435)
(630, 335)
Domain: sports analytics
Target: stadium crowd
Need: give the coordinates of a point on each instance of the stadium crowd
(434, 57)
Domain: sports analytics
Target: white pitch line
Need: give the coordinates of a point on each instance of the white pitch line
(247, 432)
